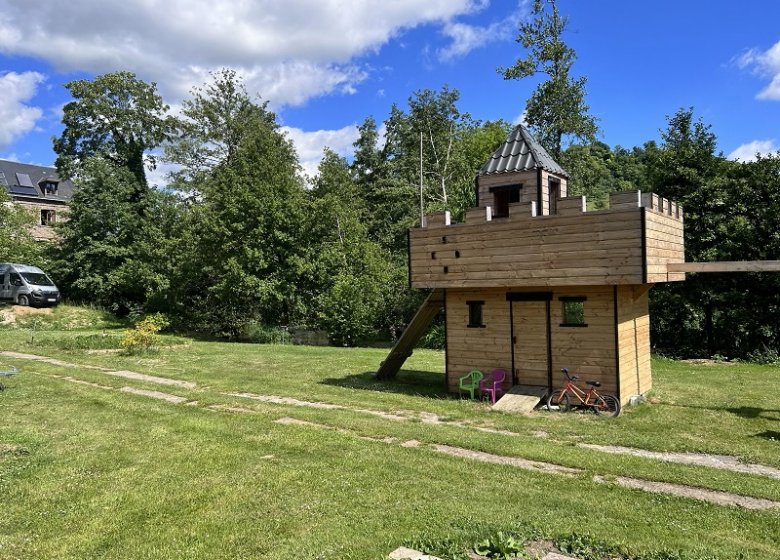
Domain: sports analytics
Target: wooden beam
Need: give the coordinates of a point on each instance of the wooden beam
(414, 332)
(725, 266)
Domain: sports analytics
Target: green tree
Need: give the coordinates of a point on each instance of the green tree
(16, 241)
(390, 201)
(246, 253)
(108, 254)
(359, 280)
(117, 117)
(557, 107)
(214, 123)
(730, 214)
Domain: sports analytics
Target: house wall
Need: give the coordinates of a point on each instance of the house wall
(44, 232)
(477, 348)
(634, 341)
(589, 351)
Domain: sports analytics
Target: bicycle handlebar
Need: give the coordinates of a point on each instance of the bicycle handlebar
(565, 372)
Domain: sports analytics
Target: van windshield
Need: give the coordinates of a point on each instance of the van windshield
(37, 279)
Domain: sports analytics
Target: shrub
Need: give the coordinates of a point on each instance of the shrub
(143, 337)
(254, 331)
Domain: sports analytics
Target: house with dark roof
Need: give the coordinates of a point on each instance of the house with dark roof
(41, 191)
(533, 282)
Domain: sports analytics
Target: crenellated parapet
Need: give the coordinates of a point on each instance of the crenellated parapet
(630, 242)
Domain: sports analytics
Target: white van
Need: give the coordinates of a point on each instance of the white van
(27, 285)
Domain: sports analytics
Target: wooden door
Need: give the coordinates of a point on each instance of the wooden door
(531, 348)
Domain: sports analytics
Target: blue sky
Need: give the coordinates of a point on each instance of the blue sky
(325, 66)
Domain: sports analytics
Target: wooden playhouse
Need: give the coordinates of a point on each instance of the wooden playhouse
(532, 282)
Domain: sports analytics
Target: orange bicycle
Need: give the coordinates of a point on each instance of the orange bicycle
(561, 399)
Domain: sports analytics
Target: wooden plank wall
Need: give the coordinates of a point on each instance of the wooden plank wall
(665, 245)
(525, 178)
(574, 247)
(529, 193)
(477, 348)
(634, 341)
(589, 351)
(593, 248)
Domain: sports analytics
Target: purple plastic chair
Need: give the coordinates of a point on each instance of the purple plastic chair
(492, 384)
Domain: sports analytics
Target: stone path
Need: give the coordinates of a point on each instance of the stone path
(713, 461)
(711, 496)
(723, 462)
(403, 553)
(116, 373)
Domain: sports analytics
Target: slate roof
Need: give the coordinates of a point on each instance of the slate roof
(520, 152)
(13, 180)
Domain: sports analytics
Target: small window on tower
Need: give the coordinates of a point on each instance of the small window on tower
(503, 196)
(475, 314)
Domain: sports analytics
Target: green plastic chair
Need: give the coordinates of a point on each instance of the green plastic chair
(470, 382)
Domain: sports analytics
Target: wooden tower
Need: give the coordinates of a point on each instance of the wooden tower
(532, 282)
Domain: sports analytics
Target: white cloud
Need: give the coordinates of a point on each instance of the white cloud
(310, 145)
(16, 117)
(521, 119)
(766, 64)
(465, 38)
(291, 51)
(747, 152)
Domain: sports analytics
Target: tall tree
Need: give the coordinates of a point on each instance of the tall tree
(108, 254)
(557, 107)
(16, 241)
(214, 123)
(117, 117)
(246, 253)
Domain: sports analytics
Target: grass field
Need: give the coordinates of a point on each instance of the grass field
(88, 470)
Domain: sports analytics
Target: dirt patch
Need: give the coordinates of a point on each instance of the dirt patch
(167, 397)
(116, 373)
(711, 496)
(708, 362)
(15, 311)
(723, 462)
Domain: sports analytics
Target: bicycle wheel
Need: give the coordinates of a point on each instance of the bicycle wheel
(606, 405)
(559, 400)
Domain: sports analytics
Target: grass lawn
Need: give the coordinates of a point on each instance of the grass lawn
(89, 472)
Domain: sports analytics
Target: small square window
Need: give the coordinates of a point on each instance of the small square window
(573, 312)
(475, 314)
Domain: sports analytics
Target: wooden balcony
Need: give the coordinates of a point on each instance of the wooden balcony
(631, 242)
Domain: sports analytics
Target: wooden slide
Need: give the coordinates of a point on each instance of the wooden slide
(414, 332)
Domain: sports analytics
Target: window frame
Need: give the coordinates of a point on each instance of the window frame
(476, 317)
(566, 314)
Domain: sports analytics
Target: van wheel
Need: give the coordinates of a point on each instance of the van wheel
(23, 300)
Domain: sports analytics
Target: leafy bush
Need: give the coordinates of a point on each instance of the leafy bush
(143, 337)
(503, 546)
(254, 331)
(435, 338)
(587, 547)
(764, 356)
